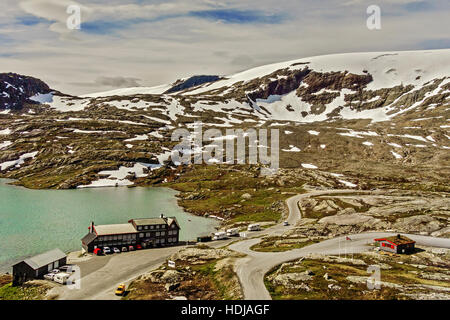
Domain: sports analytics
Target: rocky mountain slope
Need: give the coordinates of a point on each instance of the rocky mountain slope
(17, 90)
(377, 117)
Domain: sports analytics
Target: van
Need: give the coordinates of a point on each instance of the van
(254, 227)
(61, 277)
(220, 236)
(233, 232)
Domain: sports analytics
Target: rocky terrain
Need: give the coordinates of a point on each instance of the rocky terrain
(201, 273)
(363, 121)
(423, 275)
(17, 90)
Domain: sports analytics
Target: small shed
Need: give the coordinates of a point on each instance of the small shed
(35, 267)
(397, 244)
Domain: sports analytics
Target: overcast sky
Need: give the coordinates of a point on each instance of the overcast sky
(125, 43)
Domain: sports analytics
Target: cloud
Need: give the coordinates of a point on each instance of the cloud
(442, 43)
(239, 16)
(118, 82)
(242, 60)
(112, 82)
(154, 42)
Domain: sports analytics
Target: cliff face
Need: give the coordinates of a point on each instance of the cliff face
(191, 82)
(16, 90)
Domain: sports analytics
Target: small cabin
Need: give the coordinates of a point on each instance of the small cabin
(397, 244)
(35, 267)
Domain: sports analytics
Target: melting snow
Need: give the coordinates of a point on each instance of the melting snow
(292, 149)
(396, 155)
(18, 162)
(138, 138)
(348, 184)
(42, 98)
(5, 144)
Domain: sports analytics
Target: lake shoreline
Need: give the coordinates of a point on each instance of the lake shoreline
(110, 204)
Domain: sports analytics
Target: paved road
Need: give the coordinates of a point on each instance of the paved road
(101, 275)
(251, 269)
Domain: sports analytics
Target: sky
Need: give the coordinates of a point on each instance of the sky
(128, 43)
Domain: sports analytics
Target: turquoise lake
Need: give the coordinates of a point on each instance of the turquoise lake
(34, 221)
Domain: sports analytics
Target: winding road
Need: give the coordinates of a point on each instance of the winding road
(255, 265)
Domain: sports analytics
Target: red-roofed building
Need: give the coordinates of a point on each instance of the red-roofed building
(397, 244)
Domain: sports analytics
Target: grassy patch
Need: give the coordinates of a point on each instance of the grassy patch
(269, 245)
(29, 291)
(233, 193)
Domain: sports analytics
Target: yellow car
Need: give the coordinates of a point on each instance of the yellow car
(120, 290)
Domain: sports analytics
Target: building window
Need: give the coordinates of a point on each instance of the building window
(147, 234)
(163, 233)
(141, 235)
(146, 227)
(152, 227)
(158, 234)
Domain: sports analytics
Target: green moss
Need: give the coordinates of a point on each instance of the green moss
(25, 292)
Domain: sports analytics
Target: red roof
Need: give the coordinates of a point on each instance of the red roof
(397, 240)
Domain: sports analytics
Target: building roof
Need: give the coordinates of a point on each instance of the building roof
(45, 258)
(397, 240)
(87, 239)
(149, 221)
(173, 220)
(109, 229)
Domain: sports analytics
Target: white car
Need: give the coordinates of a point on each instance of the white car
(67, 269)
(254, 227)
(106, 250)
(285, 223)
(116, 250)
(55, 271)
(49, 276)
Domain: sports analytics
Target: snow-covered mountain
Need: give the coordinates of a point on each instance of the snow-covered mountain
(334, 112)
(376, 86)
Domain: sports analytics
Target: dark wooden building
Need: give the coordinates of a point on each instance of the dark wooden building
(157, 231)
(147, 232)
(397, 244)
(35, 267)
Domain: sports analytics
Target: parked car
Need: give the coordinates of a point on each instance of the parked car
(219, 236)
(124, 249)
(116, 250)
(254, 227)
(130, 248)
(107, 250)
(61, 277)
(204, 239)
(49, 276)
(285, 223)
(54, 271)
(138, 247)
(233, 232)
(120, 290)
(68, 269)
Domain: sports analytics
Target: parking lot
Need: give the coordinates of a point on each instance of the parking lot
(100, 275)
